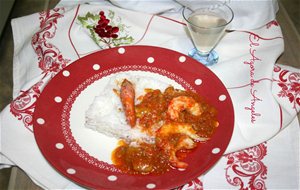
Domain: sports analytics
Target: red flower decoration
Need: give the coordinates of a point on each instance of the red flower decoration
(295, 87)
(289, 82)
(103, 29)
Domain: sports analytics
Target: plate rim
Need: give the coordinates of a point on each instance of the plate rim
(35, 116)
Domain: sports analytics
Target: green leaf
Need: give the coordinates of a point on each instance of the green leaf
(111, 14)
(92, 16)
(94, 36)
(89, 20)
(122, 40)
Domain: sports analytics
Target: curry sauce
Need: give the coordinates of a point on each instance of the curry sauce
(178, 120)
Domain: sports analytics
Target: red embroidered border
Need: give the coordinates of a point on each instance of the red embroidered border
(50, 62)
(245, 168)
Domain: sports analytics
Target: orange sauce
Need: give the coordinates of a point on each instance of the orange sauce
(151, 158)
(144, 159)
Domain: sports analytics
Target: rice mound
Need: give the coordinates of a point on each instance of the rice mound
(105, 115)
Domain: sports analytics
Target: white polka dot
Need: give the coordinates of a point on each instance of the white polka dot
(150, 59)
(121, 50)
(58, 99)
(96, 67)
(112, 178)
(198, 81)
(59, 145)
(40, 121)
(71, 171)
(216, 150)
(66, 73)
(150, 186)
(182, 59)
(222, 97)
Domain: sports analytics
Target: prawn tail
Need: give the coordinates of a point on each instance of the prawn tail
(127, 95)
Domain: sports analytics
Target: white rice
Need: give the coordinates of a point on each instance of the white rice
(105, 114)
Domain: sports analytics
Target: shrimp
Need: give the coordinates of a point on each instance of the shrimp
(182, 128)
(181, 103)
(172, 137)
(127, 95)
(183, 143)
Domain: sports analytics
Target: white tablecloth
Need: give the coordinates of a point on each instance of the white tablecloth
(265, 96)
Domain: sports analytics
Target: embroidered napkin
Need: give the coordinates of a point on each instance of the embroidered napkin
(53, 39)
(269, 165)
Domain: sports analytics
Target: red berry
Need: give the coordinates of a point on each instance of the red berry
(108, 28)
(102, 17)
(114, 35)
(115, 29)
(98, 27)
(100, 22)
(102, 34)
(106, 21)
(107, 34)
(103, 29)
(103, 25)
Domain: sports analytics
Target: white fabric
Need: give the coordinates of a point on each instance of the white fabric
(173, 35)
(272, 165)
(246, 67)
(244, 16)
(152, 7)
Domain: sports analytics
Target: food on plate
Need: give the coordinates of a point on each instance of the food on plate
(127, 95)
(156, 127)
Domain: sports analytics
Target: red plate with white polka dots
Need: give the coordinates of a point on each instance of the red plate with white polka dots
(83, 155)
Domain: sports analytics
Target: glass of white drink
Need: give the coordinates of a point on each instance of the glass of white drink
(206, 22)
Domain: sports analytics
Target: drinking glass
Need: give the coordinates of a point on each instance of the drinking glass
(206, 22)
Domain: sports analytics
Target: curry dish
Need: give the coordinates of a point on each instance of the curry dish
(178, 120)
